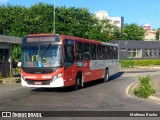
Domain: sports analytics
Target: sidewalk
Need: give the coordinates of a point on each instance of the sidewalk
(9, 84)
(156, 84)
(10, 80)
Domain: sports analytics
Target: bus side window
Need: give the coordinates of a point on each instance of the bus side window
(69, 52)
(86, 51)
(78, 51)
(103, 52)
(93, 51)
(110, 52)
(69, 55)
(106, 53)
(115, 52)
(99, 52)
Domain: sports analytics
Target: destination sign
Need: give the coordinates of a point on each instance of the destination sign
(42, 39)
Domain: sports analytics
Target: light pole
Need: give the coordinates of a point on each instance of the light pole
(54, 18)
(159, 35)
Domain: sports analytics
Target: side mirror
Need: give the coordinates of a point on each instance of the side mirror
(19, 64)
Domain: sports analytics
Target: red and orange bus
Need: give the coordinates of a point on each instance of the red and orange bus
(52, 60)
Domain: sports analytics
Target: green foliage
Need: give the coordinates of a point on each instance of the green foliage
(158, 34)
(16, 53)
(145, 88)
(132, 63)
(130, 32)
(127, 63)
(19, 21)
(11, 20)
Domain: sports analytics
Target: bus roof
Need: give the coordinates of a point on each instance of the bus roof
(75, 38)
(87, 40)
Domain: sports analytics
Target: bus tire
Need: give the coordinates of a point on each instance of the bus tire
(106, 76)
(78, 82)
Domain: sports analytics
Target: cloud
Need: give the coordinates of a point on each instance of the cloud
(4, 1)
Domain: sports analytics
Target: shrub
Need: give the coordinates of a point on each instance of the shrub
(127, 63)
(145, 88)
(132, 63)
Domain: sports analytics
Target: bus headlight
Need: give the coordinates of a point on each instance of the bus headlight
(57, 76)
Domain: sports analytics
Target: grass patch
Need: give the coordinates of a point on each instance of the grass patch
(145, 88)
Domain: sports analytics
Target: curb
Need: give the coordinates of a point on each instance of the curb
(132, 86)
(154, 98)
(10, 80)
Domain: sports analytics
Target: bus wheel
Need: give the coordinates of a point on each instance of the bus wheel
(106, 76)
(78, 82)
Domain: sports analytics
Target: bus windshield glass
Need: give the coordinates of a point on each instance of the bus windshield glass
(41, 55)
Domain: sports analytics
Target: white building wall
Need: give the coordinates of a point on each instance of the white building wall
(117, 21)
(101, 14)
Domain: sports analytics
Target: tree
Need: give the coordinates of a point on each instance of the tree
(158, 34)
(102, 30)
(79, 22)
(130, 32)
(11, 20)
(19, 21)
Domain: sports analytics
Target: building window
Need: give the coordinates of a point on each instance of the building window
(151, 53)
(134, 53)
(123, 49)
(4, 55)
(116, 22)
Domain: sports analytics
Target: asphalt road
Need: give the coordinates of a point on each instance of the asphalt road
(95, 96)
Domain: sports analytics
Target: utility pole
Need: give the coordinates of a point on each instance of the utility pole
(54, 19)
(159, 34)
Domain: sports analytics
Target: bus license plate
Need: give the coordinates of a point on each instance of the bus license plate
(38, 83)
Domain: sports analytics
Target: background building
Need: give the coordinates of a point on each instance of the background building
(117, 21)
(150, 34)
(132, 49)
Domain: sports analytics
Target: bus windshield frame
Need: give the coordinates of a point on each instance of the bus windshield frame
(41, 53)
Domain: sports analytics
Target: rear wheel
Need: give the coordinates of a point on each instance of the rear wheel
(106, 76)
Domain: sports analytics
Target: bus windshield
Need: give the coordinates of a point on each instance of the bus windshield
(41, 55)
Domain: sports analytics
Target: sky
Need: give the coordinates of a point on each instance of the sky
(134, 11)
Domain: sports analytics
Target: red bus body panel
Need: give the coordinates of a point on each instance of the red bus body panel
(69, 74)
